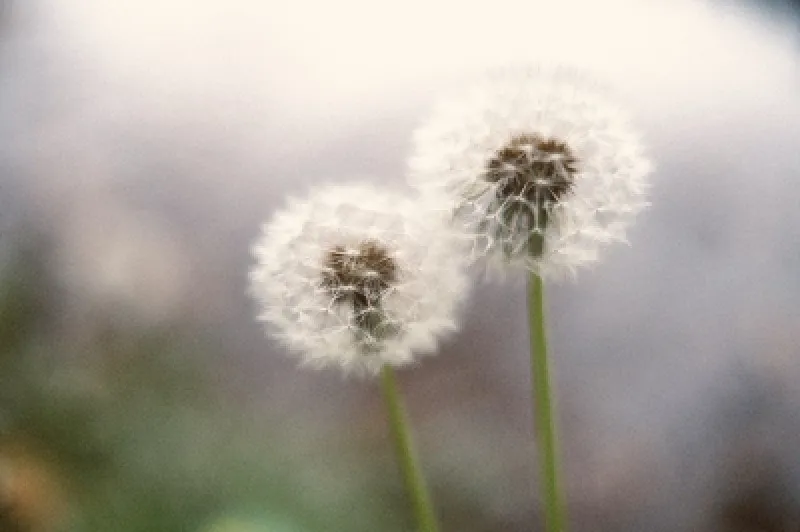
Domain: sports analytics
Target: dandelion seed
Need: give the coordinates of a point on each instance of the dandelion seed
(355, 278)
(539, 170)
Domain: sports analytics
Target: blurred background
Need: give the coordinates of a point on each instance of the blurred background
(143, 142)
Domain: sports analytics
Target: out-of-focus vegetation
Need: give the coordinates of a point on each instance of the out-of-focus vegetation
(130, 435)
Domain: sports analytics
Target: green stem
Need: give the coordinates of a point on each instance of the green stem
(409, 466)
(544, 411)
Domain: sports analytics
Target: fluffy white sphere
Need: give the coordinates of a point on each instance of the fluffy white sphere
(537, 168)
(357, 278)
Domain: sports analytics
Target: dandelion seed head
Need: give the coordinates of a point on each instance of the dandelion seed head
(538, 168)
(357, 278)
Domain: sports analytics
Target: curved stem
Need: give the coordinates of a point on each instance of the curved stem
(409, 465)
(544, 411)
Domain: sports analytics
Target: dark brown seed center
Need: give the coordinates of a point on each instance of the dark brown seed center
(540, 170)
(360, 277)
(531, 173)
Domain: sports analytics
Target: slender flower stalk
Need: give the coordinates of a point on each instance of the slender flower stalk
(539, 172)
(406, 455)
(355, 278)
(544, 409)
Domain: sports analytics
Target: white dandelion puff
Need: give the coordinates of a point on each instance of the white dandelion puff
(356, 278)
(538, 169)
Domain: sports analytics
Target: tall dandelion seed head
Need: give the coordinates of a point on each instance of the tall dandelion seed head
(357, 278)
(538, 169)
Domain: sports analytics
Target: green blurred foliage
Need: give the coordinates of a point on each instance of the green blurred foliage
(135, 435)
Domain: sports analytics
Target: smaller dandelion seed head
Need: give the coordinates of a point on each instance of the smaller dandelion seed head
(358, 278)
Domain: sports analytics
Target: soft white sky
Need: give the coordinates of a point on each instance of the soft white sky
(250, 99)
(313, 58)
